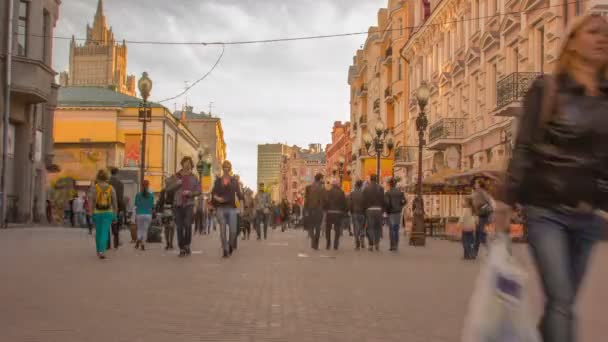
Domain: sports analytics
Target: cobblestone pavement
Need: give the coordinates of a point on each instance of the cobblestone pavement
(53, 288)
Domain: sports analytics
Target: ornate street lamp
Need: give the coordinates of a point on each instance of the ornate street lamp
(375, 145)
(145, 115)
(418, 236)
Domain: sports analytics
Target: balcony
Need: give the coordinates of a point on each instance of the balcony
(362, 91)
(388, 95)
(405, 156)
(32, 81)
(511, 90)
(363, 121)
(377, 106)
(388, 56)
(446, 132)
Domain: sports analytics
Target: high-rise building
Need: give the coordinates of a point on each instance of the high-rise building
(100, 62)
(270, 159)
(31, 104)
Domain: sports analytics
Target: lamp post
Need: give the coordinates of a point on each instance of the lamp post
(145, 115)
(203, 166)
(418, 236)
(374, 145)
(339, 170)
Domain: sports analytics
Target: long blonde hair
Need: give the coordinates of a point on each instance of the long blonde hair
(566, 55)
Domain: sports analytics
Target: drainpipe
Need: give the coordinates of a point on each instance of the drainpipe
(7, 112)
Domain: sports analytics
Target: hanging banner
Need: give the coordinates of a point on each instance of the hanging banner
(386, 168)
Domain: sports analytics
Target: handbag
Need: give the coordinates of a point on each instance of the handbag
(498, 310)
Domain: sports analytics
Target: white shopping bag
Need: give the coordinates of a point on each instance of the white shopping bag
(498, 311)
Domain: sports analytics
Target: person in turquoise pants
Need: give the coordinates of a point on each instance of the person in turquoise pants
(103, 208)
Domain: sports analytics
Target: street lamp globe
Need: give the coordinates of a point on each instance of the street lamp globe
(379, 127)
(341, 160)
(145, 85)
(390, 141)
(208, 159)
(423, 94)
(368, 139)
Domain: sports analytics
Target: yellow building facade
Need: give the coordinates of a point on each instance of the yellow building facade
(97, 128)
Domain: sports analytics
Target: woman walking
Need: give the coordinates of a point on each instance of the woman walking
(559, 170)
(186, 188)
(103, 209)
(144, 204)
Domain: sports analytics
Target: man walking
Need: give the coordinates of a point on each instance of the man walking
(117, 222)
(78, 209)
(357, 211)
(373, 199)
(394, 202)
(335, 207)
(262, 209)
(225, 194)
(314, 201)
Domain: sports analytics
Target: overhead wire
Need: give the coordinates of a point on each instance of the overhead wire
(217, 62)
(314, 37)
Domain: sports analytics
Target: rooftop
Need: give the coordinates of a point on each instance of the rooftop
(97, 97)
(191, 115)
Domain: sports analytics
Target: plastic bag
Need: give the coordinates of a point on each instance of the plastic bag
(498, 311)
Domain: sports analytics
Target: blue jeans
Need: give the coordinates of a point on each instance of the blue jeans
(374, 227)
(561, 242)
(227, 218)
(183, 221)
(480, 234)
(261, 218)
(394, 221)
(468, 241)
(359, 224)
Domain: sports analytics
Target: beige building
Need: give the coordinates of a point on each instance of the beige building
(298, 170)
(378, 86)
(33, 97)
(478, 62)
(208, 130)
(100, 61)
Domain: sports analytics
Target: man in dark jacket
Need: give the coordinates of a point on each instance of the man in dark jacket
(394, 201)
(313, 204)
(355, 207)
(373, 202)
(119, 188)
(335, 208)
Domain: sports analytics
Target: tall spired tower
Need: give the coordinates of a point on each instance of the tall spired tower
(100, 61)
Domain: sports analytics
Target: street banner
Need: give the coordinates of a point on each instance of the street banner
(206, 184)
(386, 168)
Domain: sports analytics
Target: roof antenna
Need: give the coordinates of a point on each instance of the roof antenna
(210, 107)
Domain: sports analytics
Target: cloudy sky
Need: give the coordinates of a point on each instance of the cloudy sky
(289, 92)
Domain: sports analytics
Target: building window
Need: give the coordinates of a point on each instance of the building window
(46, 38)
(400, 27)
(578, 7)
(492, 81)
(496, 6)
(399, 76)
(541, 49)
(22, 28)
(477, 19)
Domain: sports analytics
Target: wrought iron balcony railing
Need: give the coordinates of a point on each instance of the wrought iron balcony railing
(389, 51)
(405, 154)
(377, 105)
(363, 120)
(448, 128)
(512, 88)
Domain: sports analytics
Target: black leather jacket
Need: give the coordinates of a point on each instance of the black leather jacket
(563, 161)
(373, 196)
(335, 200)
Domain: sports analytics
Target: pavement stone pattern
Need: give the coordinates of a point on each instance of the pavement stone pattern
(54, 289)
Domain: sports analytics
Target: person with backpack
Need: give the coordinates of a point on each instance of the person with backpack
(483, 208)
(559, 170)
(104, 207)
(144, 205)
(225, 193)
(185, 188)
(394, 202)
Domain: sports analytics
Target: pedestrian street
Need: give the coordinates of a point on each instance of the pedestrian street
(53, 288)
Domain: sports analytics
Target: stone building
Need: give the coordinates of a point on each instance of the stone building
(270, 160)
(378, 86)
(299, 169)
(478, 57)
(32, 98)
(100, 61)
(97, 128)
(340, 147)
(209, 132)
